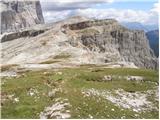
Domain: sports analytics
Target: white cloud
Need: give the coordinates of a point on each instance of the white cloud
(54, 16)
(60, 5)
(156, 7)
(120, 15)
(126, 15)
(55, 11)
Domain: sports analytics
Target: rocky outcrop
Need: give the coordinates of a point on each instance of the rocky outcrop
(25, 33)
(117, 42)
(90, 23)
(18, 14)
(87, 42)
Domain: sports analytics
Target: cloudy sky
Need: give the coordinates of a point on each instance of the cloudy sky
(143, 11)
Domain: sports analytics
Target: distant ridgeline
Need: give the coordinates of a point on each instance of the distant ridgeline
(16, 14)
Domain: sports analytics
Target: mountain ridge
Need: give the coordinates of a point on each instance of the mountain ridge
(96, 41)
(139, 26)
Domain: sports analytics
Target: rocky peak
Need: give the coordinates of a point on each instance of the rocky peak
(87, 41)
(115, 41)
(90, 23)
(16, 15)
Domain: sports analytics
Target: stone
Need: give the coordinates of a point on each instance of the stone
(107, 78)
(135, 78)
(19, 14)
(52, 93)
(25, 33)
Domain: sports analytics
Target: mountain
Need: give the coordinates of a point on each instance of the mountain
(153, 37)
(139, 26)
(152, 27)
(87, 41)
(152, 34)
(19, 14)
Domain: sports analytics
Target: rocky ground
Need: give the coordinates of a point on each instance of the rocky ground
(84, 91)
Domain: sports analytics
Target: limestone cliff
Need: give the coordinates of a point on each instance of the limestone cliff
(18, 14)
(117, 42)
(86, 42)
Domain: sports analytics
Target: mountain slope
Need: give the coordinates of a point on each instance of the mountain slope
(153, 37)
(87, 42)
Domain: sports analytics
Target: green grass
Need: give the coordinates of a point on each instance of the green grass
(62, 56)
(57, 58)
(72, 81)
(27, 107)
(89, 31)
(50, 62)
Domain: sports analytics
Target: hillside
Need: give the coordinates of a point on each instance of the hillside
(95, 41)
(153, 37)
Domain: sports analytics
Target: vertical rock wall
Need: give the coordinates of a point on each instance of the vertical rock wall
(19, 14)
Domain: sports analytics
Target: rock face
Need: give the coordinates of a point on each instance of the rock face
(117, 42)
(86, 42)
(25, 33)
(18, 14)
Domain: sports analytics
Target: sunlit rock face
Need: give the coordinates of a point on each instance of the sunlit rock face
(19, 14)
(115, 41)
(87, 41)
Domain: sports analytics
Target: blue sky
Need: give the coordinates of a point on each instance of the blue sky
(142, 11)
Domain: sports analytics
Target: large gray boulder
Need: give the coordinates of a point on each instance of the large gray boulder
(19, 14)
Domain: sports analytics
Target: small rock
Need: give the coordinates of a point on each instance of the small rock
(45, 73)
(107, 78)
(90, 116)
(59, 73)
(135, 110)
(123, 117)
(134, 78)
(31, 93)
(122, 109)
(10, 96)
(136, 115)
(52, 93)
(67, 111)
(16, 100)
